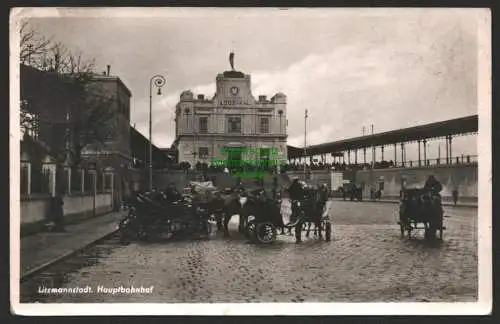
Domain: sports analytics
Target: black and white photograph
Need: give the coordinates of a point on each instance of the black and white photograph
(235, 161)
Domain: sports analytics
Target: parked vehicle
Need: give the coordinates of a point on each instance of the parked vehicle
(162, 219)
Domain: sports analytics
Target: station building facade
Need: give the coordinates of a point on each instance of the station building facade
(232, 125)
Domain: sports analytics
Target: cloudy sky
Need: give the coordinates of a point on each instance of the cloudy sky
(349, 68)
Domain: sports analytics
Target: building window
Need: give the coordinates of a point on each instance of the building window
(203, 152)
(30, 121)
(203, 125)
(25, 179)
(234, 125)
(264, 125)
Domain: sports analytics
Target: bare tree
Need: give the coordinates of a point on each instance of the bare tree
(90, 113)
(33, 45)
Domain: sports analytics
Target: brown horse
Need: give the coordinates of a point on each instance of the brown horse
(234, 204)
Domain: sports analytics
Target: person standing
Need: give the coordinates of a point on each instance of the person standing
(455, 196)
(57, 213)
(296, 192)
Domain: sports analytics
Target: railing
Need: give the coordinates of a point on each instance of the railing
(35, 182)
(468, 159)
(440, 162)
(459, 160)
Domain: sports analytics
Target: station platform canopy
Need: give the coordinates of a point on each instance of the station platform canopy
(453, 127)
(139, 147)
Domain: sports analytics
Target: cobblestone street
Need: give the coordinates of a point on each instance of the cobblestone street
(366, 261)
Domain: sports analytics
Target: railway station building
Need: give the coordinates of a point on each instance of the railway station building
(232, 125)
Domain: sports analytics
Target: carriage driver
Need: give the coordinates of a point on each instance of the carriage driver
(433, 185)
(325, 193)
(296, 192)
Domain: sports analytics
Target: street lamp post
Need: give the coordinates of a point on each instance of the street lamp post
(159, 81)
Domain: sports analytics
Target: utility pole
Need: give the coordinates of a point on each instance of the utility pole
(373, 151)
(305, 137)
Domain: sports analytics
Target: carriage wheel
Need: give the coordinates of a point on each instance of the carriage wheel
(250, 230)
(427, 232)
(403, 224)
(410, 228)
(125, 231)
(430, 231)
(265, 232)
(328, 231)
(142, 235)
(165, 234)
(440, 223)
(208, 230)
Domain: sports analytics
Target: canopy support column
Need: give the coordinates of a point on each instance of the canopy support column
(449, 139)
(403, 154)
(425, 151)
(395, 155)
(419, 161)
(447, 150)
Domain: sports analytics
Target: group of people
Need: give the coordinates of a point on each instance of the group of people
(336, 166)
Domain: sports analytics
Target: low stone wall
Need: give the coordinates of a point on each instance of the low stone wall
(161, 179)
(318, 177)
(34, 211)
(462, 178)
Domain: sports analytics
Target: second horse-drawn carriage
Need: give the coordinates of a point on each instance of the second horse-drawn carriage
(421, 207)
(261, 216)
(311, 210)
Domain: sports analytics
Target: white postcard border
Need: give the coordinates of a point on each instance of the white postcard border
(482, 306)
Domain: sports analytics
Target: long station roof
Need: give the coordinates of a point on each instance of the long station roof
(457, 126)
(139, 145)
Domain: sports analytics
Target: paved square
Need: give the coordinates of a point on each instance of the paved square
(367, 261)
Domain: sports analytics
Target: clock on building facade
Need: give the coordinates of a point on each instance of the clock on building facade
(235, 91)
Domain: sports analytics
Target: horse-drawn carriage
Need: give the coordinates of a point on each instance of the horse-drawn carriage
(312, 210)
(263, 217)
(351, 191)
(419, 206)
(153, 216)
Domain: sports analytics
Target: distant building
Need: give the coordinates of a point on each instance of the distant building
(232, 125)
(116, 152)
(49, 99)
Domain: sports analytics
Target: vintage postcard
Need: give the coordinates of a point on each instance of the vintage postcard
(256, 161)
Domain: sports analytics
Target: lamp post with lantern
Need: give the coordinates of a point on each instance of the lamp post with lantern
(158, 81)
